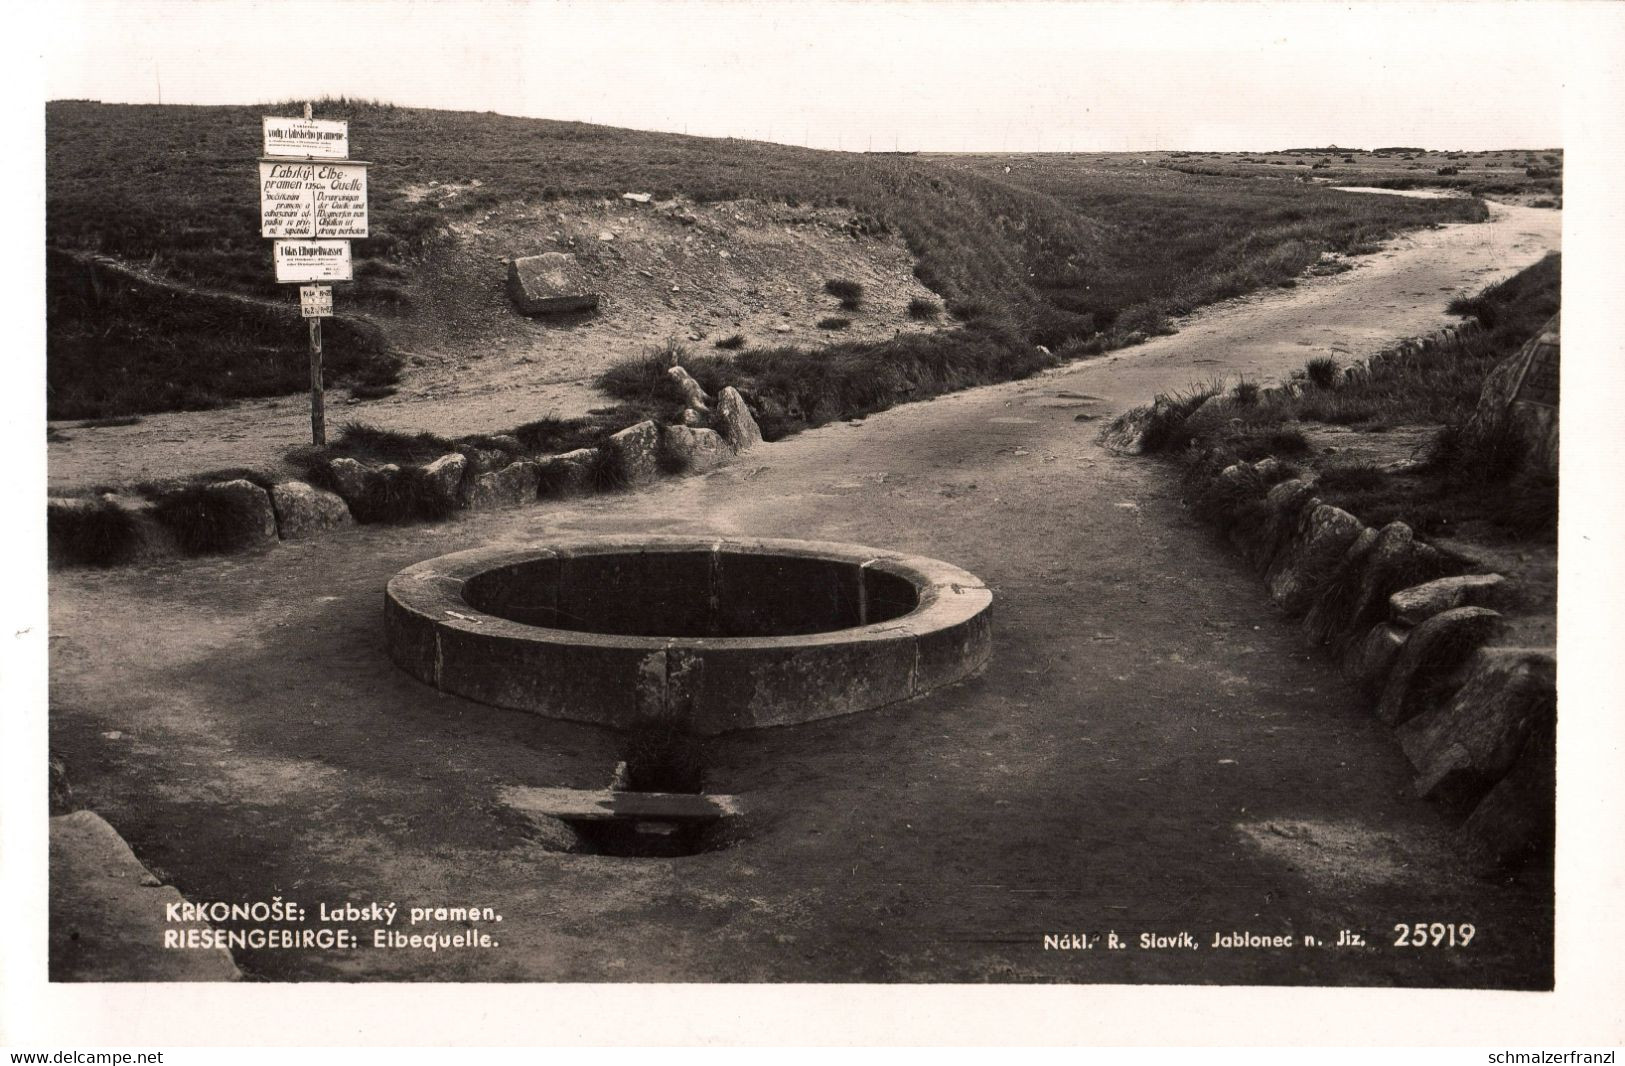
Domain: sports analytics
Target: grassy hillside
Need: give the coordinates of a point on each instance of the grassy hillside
(1178, 240)
(1089, 250)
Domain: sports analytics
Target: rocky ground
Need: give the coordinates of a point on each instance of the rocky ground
(1152, 749)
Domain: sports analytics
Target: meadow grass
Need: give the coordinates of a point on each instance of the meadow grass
(117, 348)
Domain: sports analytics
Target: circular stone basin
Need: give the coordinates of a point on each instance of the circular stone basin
(720, 634)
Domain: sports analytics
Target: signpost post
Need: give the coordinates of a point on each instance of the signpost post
(316, 303)
(313, 202)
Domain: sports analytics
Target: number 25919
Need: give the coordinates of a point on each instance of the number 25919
(1434, 935)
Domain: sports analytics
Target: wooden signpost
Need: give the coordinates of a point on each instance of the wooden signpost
(316, 303)
(313, 202)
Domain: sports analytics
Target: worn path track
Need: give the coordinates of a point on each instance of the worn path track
(1152, 749)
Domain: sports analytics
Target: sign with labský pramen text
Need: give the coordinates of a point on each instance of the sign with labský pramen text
(313, 199)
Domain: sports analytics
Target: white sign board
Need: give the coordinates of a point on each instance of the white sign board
(316, 301)
(312, 261)
(307, 138)
(313, 200)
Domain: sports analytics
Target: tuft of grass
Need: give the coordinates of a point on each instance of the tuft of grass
(1352, 477)
(1234, 501)
(1336, 409)
(1337, 603)
(1486, 474)
(1477, 460)
(970, 311)
(834, 323)
(1081, 347)
(1327, 267)
(608, 471)
(731, 343)
(545, 435)
(103, 534)
(671, 352)
(1245, 393)
(368, 443)
(1149, 318)
(1278, 442)
(207, 523)
(1222, 502)
(1166, 430)
(644, 380)
(1520, 305)
(922, 310)
(1323, 372)
(850, 293)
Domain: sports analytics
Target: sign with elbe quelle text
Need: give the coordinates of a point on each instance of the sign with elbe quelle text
(306, 261)
(307, 138)
(310, 199)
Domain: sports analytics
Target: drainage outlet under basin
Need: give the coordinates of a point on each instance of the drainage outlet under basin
(714, 634)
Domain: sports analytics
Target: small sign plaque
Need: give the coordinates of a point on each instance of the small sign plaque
(307, 138)
(316, 301)
(304, 261)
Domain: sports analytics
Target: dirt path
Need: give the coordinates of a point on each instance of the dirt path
(1152, 750)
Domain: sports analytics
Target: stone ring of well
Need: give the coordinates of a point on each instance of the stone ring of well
(716, 634)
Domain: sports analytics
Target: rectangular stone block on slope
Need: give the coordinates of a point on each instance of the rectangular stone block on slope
(549, 284)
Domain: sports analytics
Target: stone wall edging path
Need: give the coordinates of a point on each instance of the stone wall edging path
(1475, 716)
(293, 509)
